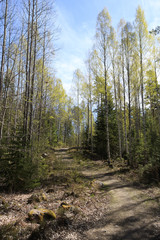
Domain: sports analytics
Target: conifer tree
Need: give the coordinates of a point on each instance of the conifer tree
(103, 43)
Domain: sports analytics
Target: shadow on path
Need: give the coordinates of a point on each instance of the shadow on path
(132, 214)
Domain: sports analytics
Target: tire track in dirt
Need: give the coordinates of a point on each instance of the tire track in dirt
(132, 213)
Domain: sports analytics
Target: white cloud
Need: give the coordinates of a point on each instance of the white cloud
(67, 87)
(74, 44)
(67, 66)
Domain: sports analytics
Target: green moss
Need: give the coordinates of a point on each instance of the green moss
(40, 214)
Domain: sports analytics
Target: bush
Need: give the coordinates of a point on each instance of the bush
(150, 172)
(19, 169)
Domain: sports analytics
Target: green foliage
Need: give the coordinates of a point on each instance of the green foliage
(151, 171)
(19, 169)
(100, 141)
(138, 151)
(100, 133)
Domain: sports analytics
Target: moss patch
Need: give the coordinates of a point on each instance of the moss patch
(39, 215)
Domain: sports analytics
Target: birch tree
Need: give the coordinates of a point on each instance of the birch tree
(142, 36)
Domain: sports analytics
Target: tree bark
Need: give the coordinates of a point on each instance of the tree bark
(27, 87)
(34, 68)
(3, 49)
(117, 115)
(106, 109)
(124, 100)
(42, 83)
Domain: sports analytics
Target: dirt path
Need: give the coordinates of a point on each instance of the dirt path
(133, 212)
(106, 207)
(63, 155)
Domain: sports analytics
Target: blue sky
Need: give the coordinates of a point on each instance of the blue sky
(77, 20)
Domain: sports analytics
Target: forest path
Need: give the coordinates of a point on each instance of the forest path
(63, 155)
(134, 212)
(103, 206)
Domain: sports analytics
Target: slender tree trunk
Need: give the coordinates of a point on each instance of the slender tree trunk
(124, 100)
(158, 96)
(91, 129)
(42, 83)
(120, 114)
(19, 80)
(90, 104)
(88, 137)
(90, 87)
(31, 77)
(129, 110)
(78, 114)
(27, 87)
(10, 109)
(3, 49)
(106, 108)
(117, 115)
(139, 110)
(142, 97)
(33, 73)
(137, 117)
(2, 72)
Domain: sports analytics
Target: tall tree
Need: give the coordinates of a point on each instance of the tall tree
(78, 78)
(129, 39)
(142, 37)
(3, 47)
(114, 60)
(27, 84)
(122, 54)
(103, 42)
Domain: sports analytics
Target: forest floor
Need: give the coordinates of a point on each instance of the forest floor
(107, 204)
